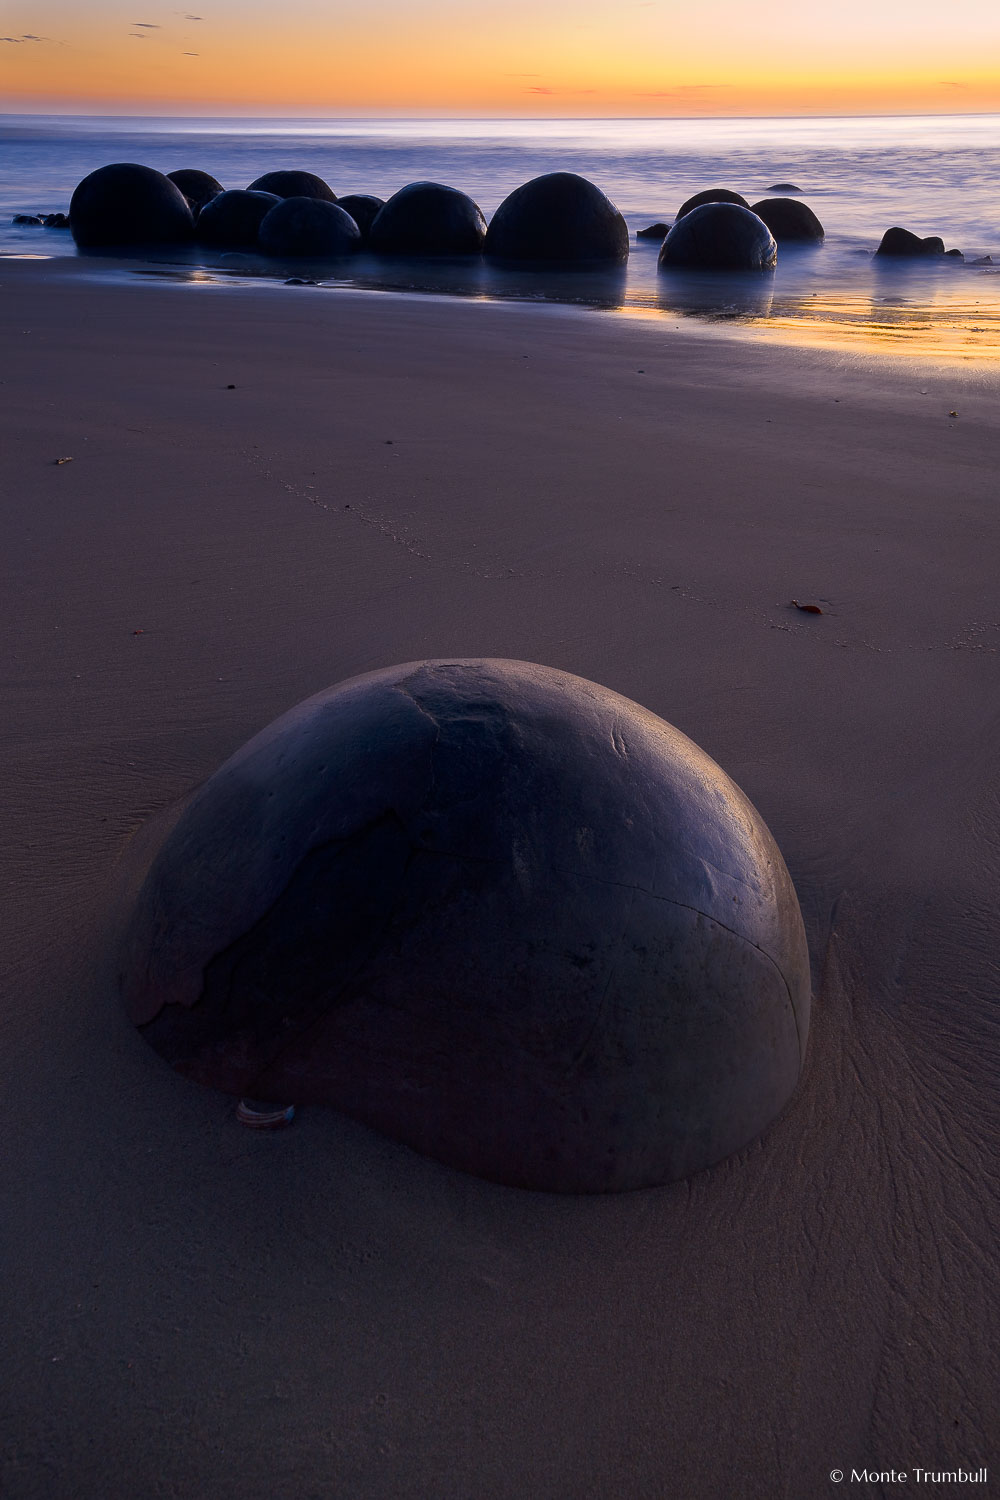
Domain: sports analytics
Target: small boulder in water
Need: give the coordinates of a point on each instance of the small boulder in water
(427, 218)
(198, 187)
(127, 204)
(560, 217)
(904, 242)
(719, 237)
(712, 195)
(56, 221)
(293, 185)
(308, 226)
(26, 219)
(363, 209)
(652, 232)
(233, 219)
(788, 219)
(784, 187)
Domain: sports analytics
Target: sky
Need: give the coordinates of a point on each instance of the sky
(570, 58)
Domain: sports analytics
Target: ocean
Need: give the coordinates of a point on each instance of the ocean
(933, 174)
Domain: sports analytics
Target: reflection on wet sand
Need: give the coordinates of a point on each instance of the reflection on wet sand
(940, 312)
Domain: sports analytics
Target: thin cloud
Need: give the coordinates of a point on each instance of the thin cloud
(194, 18)
(538, 89)
(15, 41)
(945, 84)
(147, 25)
(26, 37)
(192, 54)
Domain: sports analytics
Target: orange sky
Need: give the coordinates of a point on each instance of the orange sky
(500, 57)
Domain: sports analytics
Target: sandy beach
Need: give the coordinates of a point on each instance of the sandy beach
(272, 489)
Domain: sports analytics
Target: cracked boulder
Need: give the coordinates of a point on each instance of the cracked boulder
(495, 911)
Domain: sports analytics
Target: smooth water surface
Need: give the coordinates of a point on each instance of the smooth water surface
(931, 174)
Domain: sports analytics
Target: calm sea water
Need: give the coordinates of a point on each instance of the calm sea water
(931, 174)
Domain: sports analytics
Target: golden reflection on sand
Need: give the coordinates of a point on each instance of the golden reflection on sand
(859, 325)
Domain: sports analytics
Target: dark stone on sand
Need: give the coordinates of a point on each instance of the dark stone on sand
(788, 219)
(363, 209)
(903, 242)
(25, 219)
(652, 232)
(56, 221)
(558, 218)
(719, 237)
(308, 226)
(234, 218)
(497, 912)
(784, 187)
(712, 195)
(126, 204)
(293, 185)
(427, 218)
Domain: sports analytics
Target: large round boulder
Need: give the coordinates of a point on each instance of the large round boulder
(126, 204)
(232, 220)
(558, 218)
(291, 184)
(427, 218)
(198, 187)
(497, 912)
(363, 208)
(711, 195)
(308, 226)
(789, 219)
(719, 237)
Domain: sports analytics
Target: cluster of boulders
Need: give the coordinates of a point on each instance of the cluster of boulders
(557, 219)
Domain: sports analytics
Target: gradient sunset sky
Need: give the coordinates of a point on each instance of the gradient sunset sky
(500, 57)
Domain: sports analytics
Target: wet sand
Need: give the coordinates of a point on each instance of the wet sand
(195, 1310)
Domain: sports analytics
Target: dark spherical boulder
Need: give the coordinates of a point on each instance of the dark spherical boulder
(789, 219)
(363, 209)
(719, 237)
(125, 204)
(308, 226)
(784, 187)
(232, 219)
(497, 912)
(712, 195)
(427, 218)
(293, 185)
(558, 218)
(198, 187)
(898, 241)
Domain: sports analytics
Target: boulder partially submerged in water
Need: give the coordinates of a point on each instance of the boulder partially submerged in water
(292, 184)
(232, 220)
(719, 237)
(711, 195)
(789, 219)
(653, 232)
(498, 912)
(308, 226)
(560, 218)
(126, 204)
(198, 187)
(363, 209)
(428, 218)
(904, 242)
